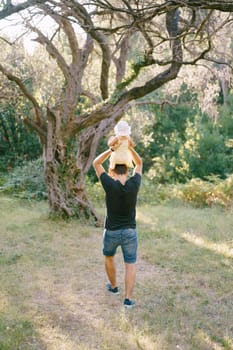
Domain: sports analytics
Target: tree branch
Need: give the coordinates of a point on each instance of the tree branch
(62, 21)
(35, 126)
(155, 103)
(86, 23)
(52, 50)
(20, 84)
(123, 47)
(119, 103)
(167, 75)
(27, 94)
(10, 9)
(153, 9)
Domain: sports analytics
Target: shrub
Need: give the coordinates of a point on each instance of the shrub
(95, 190)
(26, 181)
(197, 192)
(18, 143)
(153, 193)
(207, 193)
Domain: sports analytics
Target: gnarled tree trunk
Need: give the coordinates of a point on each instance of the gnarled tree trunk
(66, 190)
(65, 170)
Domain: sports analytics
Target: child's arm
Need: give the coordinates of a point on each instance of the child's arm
(131, 142)
(113, 141)
(137, 161)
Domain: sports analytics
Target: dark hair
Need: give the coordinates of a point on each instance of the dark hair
(120, 169)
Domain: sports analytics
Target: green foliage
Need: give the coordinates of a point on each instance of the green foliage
(17, 142)
(199, 193)
(9, 260)
(202, 193)
(154, 193)
(226, 117)
(213, 191)
(15, 334)
(139, 62)
(135, 65)
(186, 144)
(95, 191)
(25, 181)
(212, 155)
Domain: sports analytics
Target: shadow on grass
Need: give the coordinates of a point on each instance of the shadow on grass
(191, 296)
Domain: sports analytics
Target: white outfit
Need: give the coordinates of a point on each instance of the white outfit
(121, 154)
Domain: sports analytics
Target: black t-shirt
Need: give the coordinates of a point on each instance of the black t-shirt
(120, 201)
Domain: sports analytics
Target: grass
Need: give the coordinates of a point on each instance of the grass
(52, 282)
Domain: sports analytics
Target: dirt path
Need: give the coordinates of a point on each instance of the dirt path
(71, 308)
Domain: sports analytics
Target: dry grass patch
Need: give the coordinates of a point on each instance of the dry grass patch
(193, 296)
(52, 282)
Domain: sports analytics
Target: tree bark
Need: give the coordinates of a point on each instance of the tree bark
(66, 191)
(65, 175)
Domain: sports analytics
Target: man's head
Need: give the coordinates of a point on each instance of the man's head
(120, 169)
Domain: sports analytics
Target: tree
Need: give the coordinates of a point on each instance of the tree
(185, 144)
(17, 141)
(170, 35)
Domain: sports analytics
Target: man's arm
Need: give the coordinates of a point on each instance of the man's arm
(99, 160)
(137, 161)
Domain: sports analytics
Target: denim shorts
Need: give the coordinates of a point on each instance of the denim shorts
(126, 239)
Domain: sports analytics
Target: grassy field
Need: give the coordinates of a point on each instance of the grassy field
(52, 281)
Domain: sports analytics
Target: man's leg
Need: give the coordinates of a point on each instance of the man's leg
(110, 270)
(130, 275)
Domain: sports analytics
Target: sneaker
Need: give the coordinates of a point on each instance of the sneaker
(129, 303)
(112, 290)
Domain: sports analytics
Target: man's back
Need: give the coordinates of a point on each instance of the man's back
(120, 201)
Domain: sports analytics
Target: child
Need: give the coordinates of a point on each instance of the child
(120, 144)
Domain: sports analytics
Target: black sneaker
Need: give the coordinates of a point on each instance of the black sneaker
(129, 303)
(112, 290)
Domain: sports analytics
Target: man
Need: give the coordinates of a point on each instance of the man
(120, 223)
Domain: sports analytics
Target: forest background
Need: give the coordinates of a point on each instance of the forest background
(183, 130)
